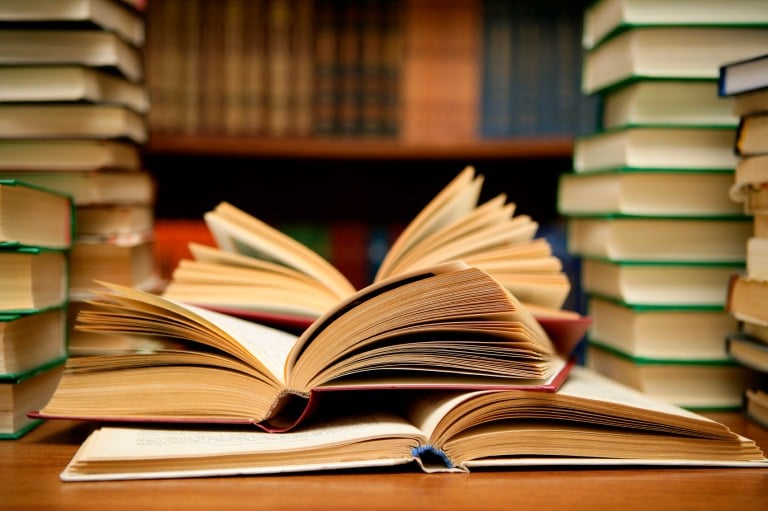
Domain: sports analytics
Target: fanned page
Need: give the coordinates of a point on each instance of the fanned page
(591, 419)
(451, 204)
(450, 325)
(238, 232)
(450, 319)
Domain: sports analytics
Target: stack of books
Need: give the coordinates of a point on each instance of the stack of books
(35, 239)
(73, 109)
(745, 83)
(647, 204)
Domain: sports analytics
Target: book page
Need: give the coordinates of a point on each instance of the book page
(370, 440)
(264, 348)
(457, 199)
(238, 232)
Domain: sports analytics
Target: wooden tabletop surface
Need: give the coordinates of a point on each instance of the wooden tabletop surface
(30, 467)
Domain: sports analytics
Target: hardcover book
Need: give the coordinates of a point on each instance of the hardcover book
(423, 329)
(591, 421)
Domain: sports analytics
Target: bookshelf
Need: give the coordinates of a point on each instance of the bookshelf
(438, 73)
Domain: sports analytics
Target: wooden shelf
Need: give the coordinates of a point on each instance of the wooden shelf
(358, 148)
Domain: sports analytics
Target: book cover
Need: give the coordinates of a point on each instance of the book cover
(743, 75)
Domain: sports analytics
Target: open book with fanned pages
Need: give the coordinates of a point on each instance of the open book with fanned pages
(262, 274)
(447, 326)
(590, 421)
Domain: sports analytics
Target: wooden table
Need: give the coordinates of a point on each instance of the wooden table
(30, 468)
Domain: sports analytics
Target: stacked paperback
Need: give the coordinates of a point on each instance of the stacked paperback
(35, 240)
(745, 82)
(457, 356)
(73, 107)
(647, 203)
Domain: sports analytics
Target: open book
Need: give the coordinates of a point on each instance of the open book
(259, 273)
(590, 421)
(451, 325)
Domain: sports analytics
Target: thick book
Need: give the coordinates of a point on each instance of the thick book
(744, 75)
(95, 48)
(448, 326)
(70, 83)
(747, 297)
(656, 147)
(661, 239)
(591, 421)
(752, 135)
(689, 383)
(23, 391)
(690, 192)
(72, 120)
(750, 102)
(68, 155)
(34, 216)
(678, 283)
(660, 332)
(606, 18)
(115, 16)
(114, 222)
(89, 187)
(747, 350)
(31, 339)
(33, 279)
(259, 272)
(668, 102)
(756, 405)
(127, 260)
(690, 52)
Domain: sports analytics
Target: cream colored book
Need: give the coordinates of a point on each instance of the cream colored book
(591, 421)
(252, 259)
(422, 329)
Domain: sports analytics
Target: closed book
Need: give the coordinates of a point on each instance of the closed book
(673, 102)
(111, 15)
(683, 51)
(748, 351)
(626, 238)
(689, 192)
(94, 187)
(743, 75)
(660, 332)
(29, 340)
(68, 155)
(691, 384)
(23, 392)
(747, 298)
(70, 83)
(126, 260)
(96, 48)
(752, 135)
(32, 279)
(656, 147)
(34, 216)
(46, 121)
(653, 283)
(604, 18)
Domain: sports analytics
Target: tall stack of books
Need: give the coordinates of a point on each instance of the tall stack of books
(745, 83)
(35, 238)
(647, 203)
(73, 109)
